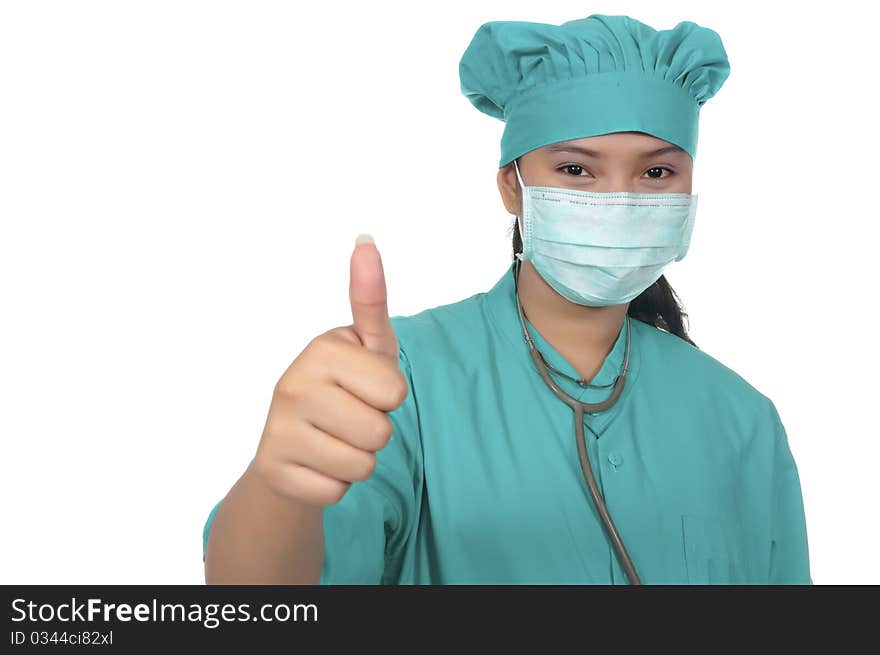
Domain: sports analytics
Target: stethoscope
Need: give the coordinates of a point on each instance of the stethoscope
(579, 408)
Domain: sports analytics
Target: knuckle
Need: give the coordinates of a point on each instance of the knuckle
(321, 346)
(325, 341)
(285, 388)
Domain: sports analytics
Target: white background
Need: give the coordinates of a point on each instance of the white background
(181, 184)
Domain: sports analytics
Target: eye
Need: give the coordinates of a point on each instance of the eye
(567, 168)
(660, 168)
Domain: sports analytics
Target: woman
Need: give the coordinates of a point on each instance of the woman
(561, 427)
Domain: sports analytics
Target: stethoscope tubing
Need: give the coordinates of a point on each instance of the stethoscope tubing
(579, 409)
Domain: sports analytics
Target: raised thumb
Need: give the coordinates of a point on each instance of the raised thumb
(369, 299)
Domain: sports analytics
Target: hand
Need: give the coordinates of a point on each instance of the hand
(328, 416)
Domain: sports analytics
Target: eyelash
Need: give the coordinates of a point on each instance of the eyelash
(664, 168)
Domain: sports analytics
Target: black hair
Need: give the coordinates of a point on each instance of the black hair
(658, 305)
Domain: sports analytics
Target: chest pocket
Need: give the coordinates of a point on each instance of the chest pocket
(708, 556)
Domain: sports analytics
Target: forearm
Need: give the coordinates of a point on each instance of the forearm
(260, 537)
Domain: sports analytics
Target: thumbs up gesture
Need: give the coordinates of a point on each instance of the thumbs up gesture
(369, 300)
(329, 412)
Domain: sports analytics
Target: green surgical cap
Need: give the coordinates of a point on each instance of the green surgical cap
(591, 76)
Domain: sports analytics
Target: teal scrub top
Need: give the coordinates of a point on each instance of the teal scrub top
(481, 481)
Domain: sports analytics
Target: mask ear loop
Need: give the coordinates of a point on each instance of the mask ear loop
(519, 219)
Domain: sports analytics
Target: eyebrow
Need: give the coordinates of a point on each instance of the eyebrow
(592, 153)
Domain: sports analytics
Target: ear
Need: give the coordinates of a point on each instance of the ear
(508, 186)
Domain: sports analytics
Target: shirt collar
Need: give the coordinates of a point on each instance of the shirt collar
(500, 302)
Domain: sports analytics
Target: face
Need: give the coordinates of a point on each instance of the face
(622, 161)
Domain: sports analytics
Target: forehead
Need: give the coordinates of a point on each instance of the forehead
(615, 144)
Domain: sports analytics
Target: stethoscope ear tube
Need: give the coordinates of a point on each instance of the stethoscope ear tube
(579, 409)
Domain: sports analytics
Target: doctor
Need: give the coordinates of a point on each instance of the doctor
(560, 428)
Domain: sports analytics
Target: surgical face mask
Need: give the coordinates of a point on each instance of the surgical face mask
(601, 249)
